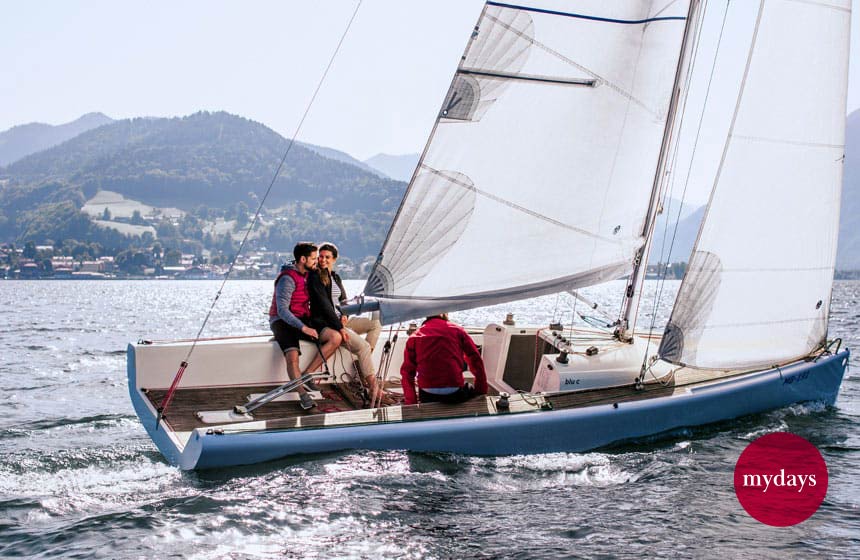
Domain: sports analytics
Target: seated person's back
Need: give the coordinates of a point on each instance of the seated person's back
(436, 353)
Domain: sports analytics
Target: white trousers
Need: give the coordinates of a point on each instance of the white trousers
(361, 349)
(363, 325)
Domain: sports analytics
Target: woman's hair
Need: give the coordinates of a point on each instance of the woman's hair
(328, 246)
(325, 276)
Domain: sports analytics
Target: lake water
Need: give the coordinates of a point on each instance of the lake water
(80, 478)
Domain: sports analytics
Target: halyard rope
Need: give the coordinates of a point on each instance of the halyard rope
(169, 396)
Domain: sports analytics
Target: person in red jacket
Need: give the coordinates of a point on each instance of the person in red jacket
(436, 352)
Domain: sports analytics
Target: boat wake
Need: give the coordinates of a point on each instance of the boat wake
(97, 422)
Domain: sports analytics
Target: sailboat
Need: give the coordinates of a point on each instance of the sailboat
(545, 171)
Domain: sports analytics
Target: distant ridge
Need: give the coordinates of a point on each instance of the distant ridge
(342, 157)
(399, 168)
(681, 239)
(23, 140)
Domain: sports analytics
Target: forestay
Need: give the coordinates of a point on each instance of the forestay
(757, 290)
(538, 173)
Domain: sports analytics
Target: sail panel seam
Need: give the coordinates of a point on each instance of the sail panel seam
(763, 323)
(821, 5)
(788, 142)
(787, 269)
(586, 17)
(519, 208)
(618, 89)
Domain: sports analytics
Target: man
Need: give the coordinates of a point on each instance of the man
(290, 315)
(327, 293)
(435, 353)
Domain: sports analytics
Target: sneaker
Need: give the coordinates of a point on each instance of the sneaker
(306, 401)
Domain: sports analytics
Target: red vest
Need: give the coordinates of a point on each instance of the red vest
(300, 304)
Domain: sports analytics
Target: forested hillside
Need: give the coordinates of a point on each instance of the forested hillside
(212, 166)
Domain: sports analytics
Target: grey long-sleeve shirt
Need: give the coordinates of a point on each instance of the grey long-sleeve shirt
(283, 294)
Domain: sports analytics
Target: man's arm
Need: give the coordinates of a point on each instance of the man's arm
(283, 294)
(475, 361)
(407, 373)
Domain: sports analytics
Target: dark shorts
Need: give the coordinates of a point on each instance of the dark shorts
(462, 394)
(288, 337)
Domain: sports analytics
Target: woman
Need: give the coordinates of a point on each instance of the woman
(327, 295)
(361, 325)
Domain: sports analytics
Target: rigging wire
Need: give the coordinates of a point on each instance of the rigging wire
(184, 364)
(658, 294)
(626, 319)
(573, 315)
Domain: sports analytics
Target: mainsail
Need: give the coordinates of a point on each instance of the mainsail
(757, 289)
(538, 173)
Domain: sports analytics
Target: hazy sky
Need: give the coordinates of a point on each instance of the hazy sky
(257, 59)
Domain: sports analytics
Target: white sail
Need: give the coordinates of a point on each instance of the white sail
(757, 290)
(538, 173)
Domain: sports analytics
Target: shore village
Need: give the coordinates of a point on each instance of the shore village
(43, 262)
(256, 265)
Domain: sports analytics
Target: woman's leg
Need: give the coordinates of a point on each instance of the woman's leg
(361, 349)
(371, 327)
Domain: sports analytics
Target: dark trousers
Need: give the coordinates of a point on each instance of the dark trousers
(462, 394)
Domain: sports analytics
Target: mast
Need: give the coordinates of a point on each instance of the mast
(635, 284)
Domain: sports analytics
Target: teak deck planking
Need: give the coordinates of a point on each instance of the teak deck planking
(340, 408)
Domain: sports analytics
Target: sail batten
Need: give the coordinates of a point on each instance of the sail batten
(757, 291)
(527, 185)
(529, 78)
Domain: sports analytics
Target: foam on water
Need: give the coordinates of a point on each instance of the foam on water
(89, 489)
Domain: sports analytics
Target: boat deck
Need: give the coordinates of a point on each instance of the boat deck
(341, 407)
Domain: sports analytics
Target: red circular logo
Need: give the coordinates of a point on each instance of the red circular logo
(780, 479)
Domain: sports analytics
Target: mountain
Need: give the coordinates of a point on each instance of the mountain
(682, 238)
(206, 163)
(343, 157)
(397, 167)
(216, 159)
(23, 140)
(848, 254)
